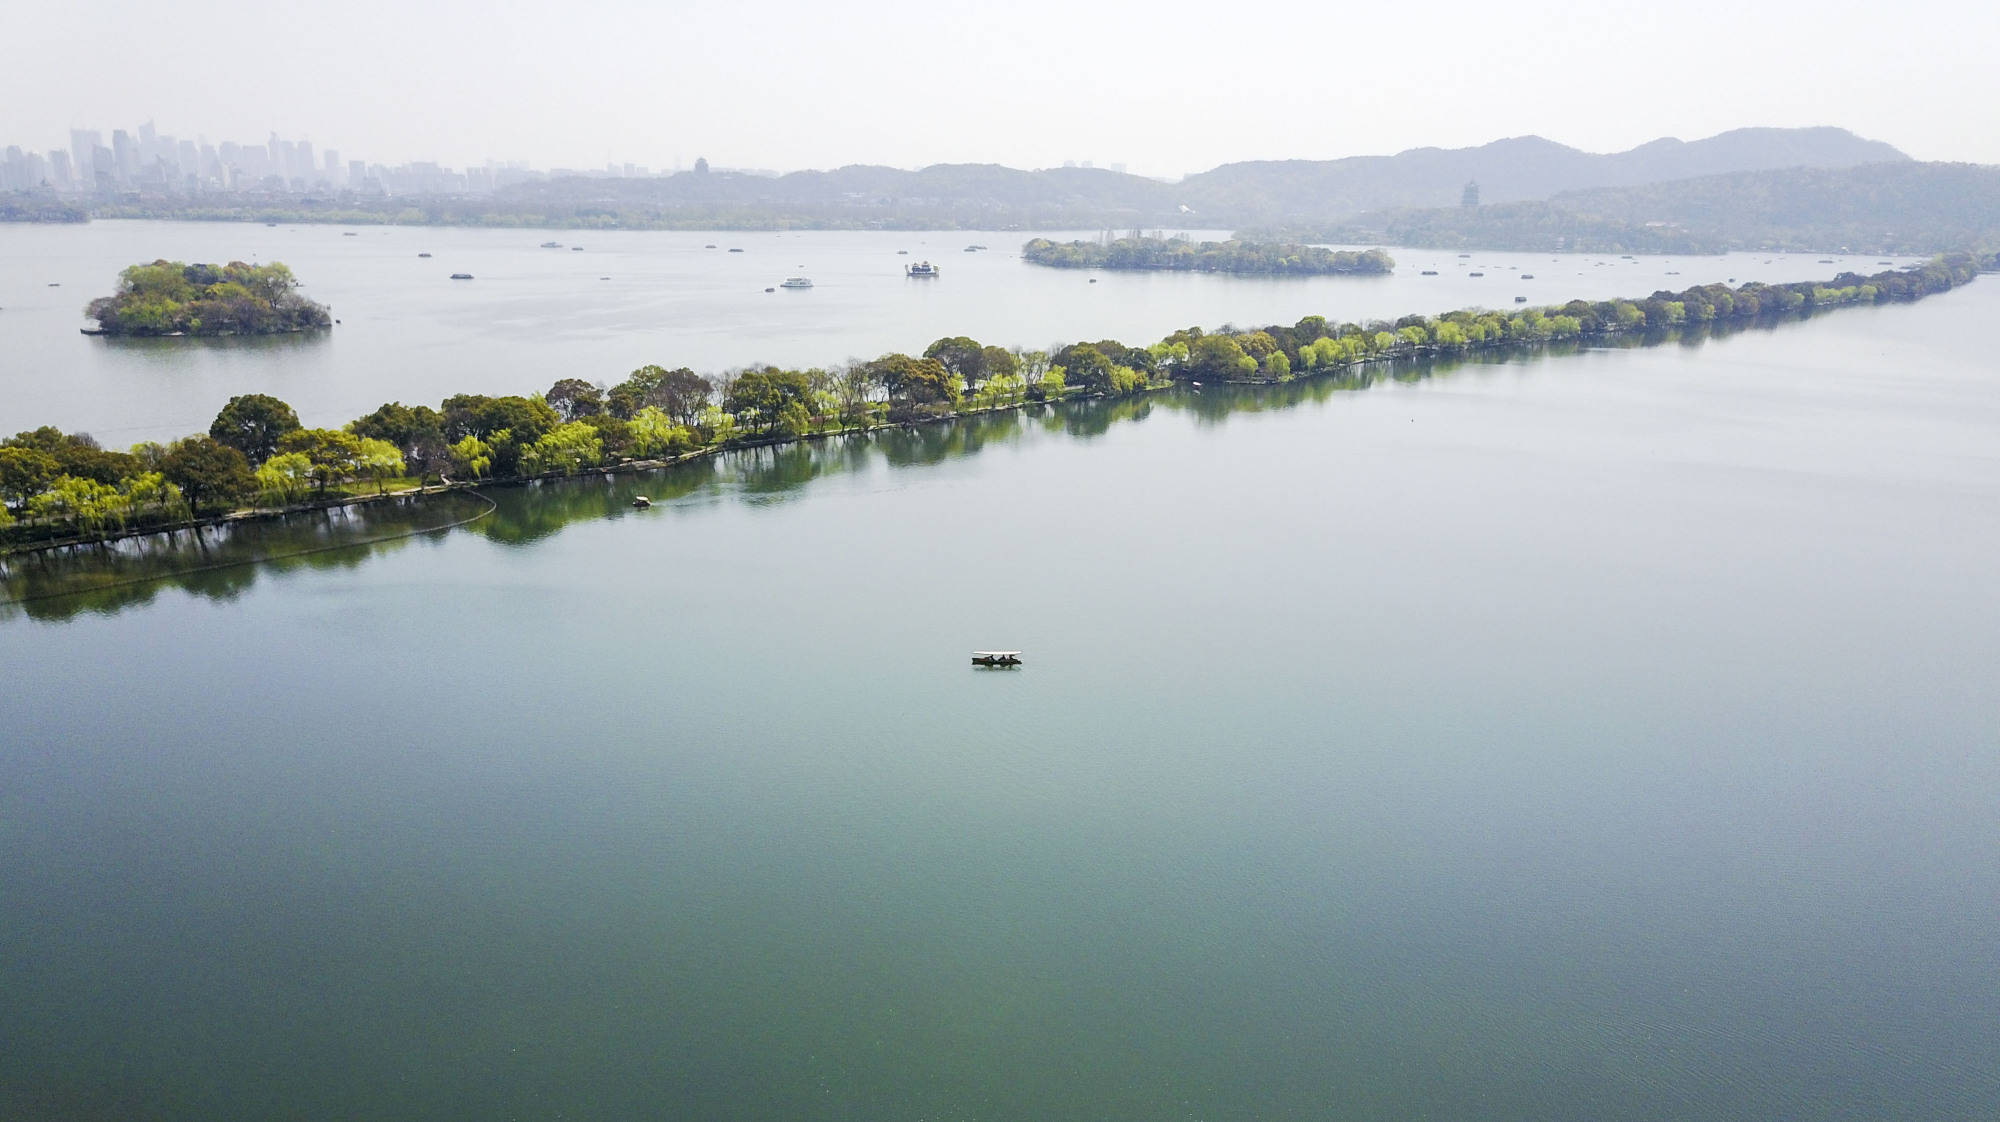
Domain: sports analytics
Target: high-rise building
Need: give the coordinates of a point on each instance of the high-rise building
(124, 157)
(332, 160)
(82, 149)
(59, 173)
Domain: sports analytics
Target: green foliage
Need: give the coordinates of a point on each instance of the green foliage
(471, 457)
(25, 472)
(1179, 254)
(761, 397)
(680, 393)
(564, 449)
(335, 455)
(174, 298)
(655, 434)
(915, 382)
(574, 398)
(285, 478)
(253, 423)
(211, 474)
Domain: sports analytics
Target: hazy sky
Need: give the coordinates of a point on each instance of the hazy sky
(1165, 87)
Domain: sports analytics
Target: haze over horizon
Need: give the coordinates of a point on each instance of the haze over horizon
(905, 84)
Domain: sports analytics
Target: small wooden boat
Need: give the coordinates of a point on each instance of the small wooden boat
(1520, 299)
(1430, 272)
(423, 255)
(996, 658)
(641, 502)
(461, 276)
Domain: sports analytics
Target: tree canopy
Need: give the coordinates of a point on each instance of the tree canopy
(175, 298)
(1205, 257)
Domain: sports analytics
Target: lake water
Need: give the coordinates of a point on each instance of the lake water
(1602, 736)
(533, 315)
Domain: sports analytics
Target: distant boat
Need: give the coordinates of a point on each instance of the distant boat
(1826, 260)
(1475, 274)
(972, 249)
(903, 252)
(734, 250)
(710, 245)
(996, 658)
(461, 276)
(1527, 276)
(551, 245)
(576, 249)
(796, 282)
(921, 269)
(349, 234)
(1465, 255)
(1430, 272)
(423, 255)
(1520, 299)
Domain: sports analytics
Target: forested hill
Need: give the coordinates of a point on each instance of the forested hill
(1233, 195)
(988, 196)
(1905, 207)
(1526, 167)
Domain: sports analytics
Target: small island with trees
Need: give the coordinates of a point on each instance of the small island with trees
(1182, 255)
(174, 298)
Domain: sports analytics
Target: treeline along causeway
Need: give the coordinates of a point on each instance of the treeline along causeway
(258, 458)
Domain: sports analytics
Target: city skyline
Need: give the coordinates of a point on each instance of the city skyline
(1181, 89)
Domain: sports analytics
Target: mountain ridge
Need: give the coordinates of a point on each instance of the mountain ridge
(1254, 192)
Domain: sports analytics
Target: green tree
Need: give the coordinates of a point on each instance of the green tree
(655, 434)
(86, 504)
(471, 457)
(417, 431)
(761, 397)
(285, 478)
(25, 473)
(378, 460)
(915, 381)
(208, 472)
(1086, 368)
(1215, 357)
(574, 398)
(565, 449)
(253, 423)
(962, 356)
(335, 455)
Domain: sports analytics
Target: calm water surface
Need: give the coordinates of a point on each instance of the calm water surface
(534, 315)
(1599, 737)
